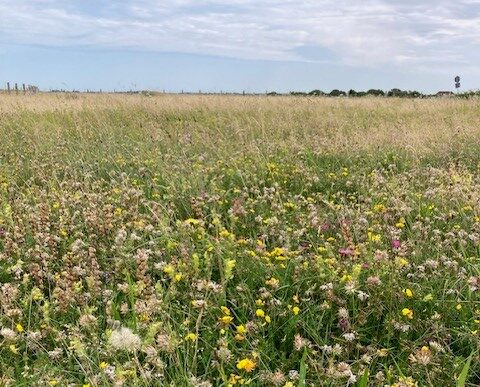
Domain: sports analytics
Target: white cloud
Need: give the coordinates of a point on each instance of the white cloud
(373, 33)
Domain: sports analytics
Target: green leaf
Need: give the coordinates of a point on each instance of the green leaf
(463, 375)
(363, 382)
(303, 369)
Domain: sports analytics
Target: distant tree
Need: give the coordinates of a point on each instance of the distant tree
(405, 94)
(376, 92)
(337, 93)
(298, 93)
(272, 93)
(316, 92)
(414, 94)
(352, 93)
(395, 93)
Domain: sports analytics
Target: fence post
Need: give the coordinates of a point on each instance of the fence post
(24, 88)
(8, 87)
(16, 87)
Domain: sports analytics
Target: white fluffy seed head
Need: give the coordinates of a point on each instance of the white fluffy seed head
(124, 339)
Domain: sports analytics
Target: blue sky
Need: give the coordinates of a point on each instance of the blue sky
(252, 45)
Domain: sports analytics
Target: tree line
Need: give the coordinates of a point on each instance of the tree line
(381, 93)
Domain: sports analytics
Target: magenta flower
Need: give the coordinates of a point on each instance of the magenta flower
(396, 244)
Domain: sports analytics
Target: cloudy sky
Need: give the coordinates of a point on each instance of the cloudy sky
(252, 45)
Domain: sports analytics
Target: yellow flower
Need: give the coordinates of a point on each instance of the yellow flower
(260, 313)
(225, 234)
(288, 384)
(13, 349)
(459, 307)
(296, 310)
(241, 329)
(225, 320)
(246, 364)
(408, 293)
(168, 269)
(192, 221)
(178, 277)
(239, 337)
(346, 278)
(225, 310)
(191, 336)
(53, 382)
(428, 297)
(379, 208)
(36, 294)
(234, 379)
(19, 328)
(407, 313)
(103, 365)
(268, 319)
(273, 282)
(382, 352)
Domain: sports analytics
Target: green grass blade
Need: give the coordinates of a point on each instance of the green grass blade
(303, 369)
(463, 375)
(363, 382)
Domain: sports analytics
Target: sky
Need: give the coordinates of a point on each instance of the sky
(236, 45)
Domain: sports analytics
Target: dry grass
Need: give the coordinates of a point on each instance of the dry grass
(321, 124)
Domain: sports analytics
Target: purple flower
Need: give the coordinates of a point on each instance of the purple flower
(346, 251)
(396, 244)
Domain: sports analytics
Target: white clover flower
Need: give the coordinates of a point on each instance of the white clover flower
(362, 296)
(8, 333)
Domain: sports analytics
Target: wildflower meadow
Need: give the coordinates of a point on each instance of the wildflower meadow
(225, 241)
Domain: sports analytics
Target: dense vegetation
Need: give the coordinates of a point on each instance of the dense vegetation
(238, 240)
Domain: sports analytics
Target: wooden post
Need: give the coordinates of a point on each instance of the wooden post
(8, 87)
(16, 87)
(24, 88)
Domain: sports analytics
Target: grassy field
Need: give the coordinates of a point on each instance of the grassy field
(224, 241)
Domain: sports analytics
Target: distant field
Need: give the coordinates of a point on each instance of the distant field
(223, 241)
